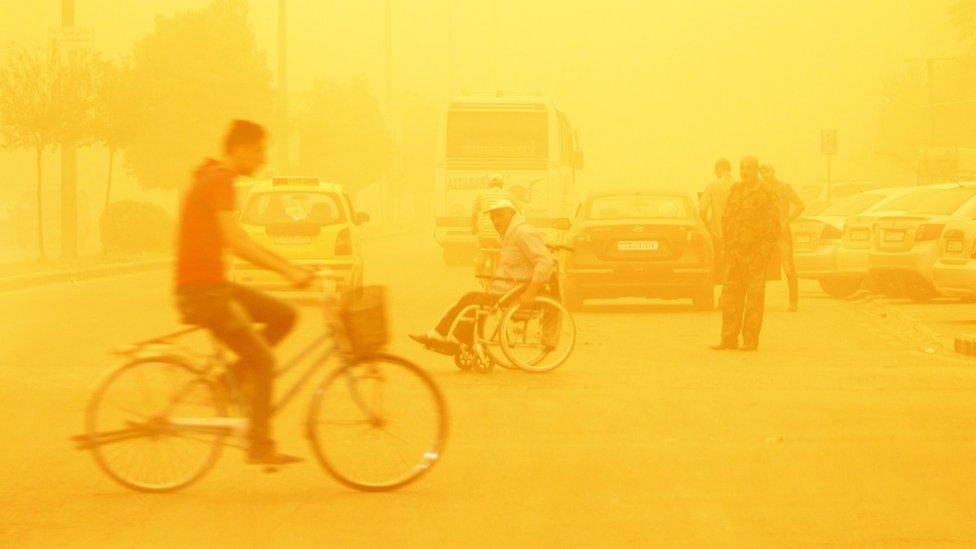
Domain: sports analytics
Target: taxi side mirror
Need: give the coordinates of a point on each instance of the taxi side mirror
(562, 224)
(360, 218)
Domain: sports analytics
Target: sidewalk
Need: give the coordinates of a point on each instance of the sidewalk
(25, 275)
(19, 275)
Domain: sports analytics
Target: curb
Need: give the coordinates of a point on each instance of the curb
(39, 279)
(18, 282)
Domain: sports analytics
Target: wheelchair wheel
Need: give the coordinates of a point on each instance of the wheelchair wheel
(464, 357)
(489, 334)
(483, 362)
(538, 338)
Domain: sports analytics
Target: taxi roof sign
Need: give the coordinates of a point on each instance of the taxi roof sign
(310, 181)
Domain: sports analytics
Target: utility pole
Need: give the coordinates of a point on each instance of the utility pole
(69, 168)
(494, 44)
(930, 90)
(282, 122)
(387, 200)
(389, 55)
(450, 49)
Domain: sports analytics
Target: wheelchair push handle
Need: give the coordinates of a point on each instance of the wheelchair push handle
(560, 247)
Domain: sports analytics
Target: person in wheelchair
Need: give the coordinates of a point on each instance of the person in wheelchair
(523, 257)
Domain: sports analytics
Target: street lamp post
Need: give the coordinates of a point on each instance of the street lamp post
(282, 122)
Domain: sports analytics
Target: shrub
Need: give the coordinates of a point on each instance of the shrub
(130, 226)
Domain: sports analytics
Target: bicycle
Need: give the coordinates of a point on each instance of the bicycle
(159, 421)
(536, 338)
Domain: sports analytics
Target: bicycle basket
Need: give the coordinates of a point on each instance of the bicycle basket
(363, 314)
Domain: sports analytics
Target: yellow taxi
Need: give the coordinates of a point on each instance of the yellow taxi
(307, 221)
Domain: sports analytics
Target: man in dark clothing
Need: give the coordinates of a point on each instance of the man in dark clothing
(208, 227)
(751, 230)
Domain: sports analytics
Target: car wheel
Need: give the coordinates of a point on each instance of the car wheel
(840, 288)
(704, 300)
(921, 293)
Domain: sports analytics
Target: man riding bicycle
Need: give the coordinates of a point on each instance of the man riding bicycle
(524, 256)
(208, 226)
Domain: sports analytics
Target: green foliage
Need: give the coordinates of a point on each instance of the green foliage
(47, 98)
(197, 71)
(118, 116)
(343, 135)
(136, 227)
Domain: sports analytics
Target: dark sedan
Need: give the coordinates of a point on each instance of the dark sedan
(638, 243)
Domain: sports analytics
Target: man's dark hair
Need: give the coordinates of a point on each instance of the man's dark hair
(242, 132)
(723, 164)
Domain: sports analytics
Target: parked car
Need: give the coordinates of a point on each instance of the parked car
(306, 221)
(638, 243)
(904, 248)
(826, 251)
(954, 273)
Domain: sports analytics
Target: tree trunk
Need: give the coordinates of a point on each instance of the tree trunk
(108, 185)
(40, 207)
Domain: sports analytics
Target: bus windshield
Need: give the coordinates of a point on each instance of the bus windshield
(501, 134)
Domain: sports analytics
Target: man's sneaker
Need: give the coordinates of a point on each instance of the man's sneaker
(725, 346)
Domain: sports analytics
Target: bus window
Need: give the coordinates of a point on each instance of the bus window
(504, 134)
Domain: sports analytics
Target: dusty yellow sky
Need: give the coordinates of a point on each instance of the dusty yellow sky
(658, 89)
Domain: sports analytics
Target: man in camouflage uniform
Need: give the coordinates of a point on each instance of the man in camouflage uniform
(750, 226)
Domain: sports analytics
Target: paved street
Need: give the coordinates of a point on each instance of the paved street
(846, 427)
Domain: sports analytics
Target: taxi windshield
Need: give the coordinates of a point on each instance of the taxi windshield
(275, 208)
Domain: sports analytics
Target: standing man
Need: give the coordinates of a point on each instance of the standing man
(790, 207)
(750, 226)
(712, 205)
(208, 228)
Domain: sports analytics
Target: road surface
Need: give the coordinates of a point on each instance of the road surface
(847, 427)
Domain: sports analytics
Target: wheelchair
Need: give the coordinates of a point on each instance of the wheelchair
(502, 332)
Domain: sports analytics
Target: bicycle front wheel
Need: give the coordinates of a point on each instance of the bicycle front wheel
(377, 423)
(154, 425)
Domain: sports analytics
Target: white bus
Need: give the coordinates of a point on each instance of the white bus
(523, 137)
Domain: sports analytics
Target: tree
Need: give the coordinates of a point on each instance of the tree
(118, 114)
(343, 135)
(46, 98)
(197, 71)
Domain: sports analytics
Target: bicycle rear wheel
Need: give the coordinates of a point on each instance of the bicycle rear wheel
(377, 423)
(155, 425)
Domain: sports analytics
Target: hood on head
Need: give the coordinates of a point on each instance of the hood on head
(210, 170)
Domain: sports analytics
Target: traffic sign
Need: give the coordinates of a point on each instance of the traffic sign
(828, 142)
(72, 39)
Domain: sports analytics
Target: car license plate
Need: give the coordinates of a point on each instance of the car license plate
(860, 234)
(894, 236)
(802, 239)
(292, 239)
(631, 245)
(954, 246)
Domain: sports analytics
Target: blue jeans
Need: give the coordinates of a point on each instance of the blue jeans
(229, 311)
